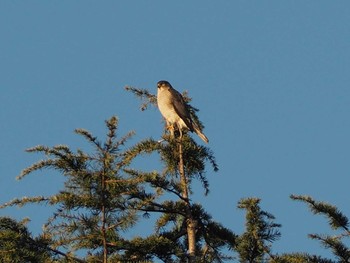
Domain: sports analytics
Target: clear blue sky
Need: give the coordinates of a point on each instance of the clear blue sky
(271, 80)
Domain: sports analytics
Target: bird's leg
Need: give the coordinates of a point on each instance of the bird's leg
(180, 131)
(170, 127)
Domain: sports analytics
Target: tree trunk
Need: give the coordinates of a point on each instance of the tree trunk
(103, 215)
(191, 223)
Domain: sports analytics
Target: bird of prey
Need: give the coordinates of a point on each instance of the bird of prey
(175, 110)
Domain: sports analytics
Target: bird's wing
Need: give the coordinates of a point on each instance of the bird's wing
(180, 107)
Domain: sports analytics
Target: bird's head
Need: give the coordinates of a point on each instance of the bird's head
(163, 84)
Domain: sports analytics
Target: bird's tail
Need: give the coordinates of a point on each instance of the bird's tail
(200, 134)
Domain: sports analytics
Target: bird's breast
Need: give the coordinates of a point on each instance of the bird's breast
(166, 105)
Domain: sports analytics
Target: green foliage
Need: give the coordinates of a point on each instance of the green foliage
(336, 218)
(253, 244)
(102, 198)
(337, 221)
(339, 249)
(195, 158)
(146, 97)
(99, 199)
(299, 258)
(171, 225)
(17, 245)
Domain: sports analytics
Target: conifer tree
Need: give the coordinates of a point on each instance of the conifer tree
(99, 199)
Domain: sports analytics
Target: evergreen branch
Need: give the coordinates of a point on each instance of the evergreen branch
(112, 125)
(204, 181)
(68, 257)
(165, 219)
(110, 144)
(338, 248)
(114, 225)
(60, 158)
(166, 207)
(216, 235)
(8, 251)
(90, 138)
(38, 148)
(176, 191)
(260, 229)
(299, 258)
(123, 140)
(211, 158)
(157, 181)
(34, 167)
(144, 147)
(146, 97)
(26, 244)
(124, 181)
(25, 200)
(169, 187)
(140, 249)
(336, 218)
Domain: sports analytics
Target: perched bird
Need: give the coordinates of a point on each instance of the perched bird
(175, 110)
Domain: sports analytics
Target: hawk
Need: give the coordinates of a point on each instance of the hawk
(175, 110)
